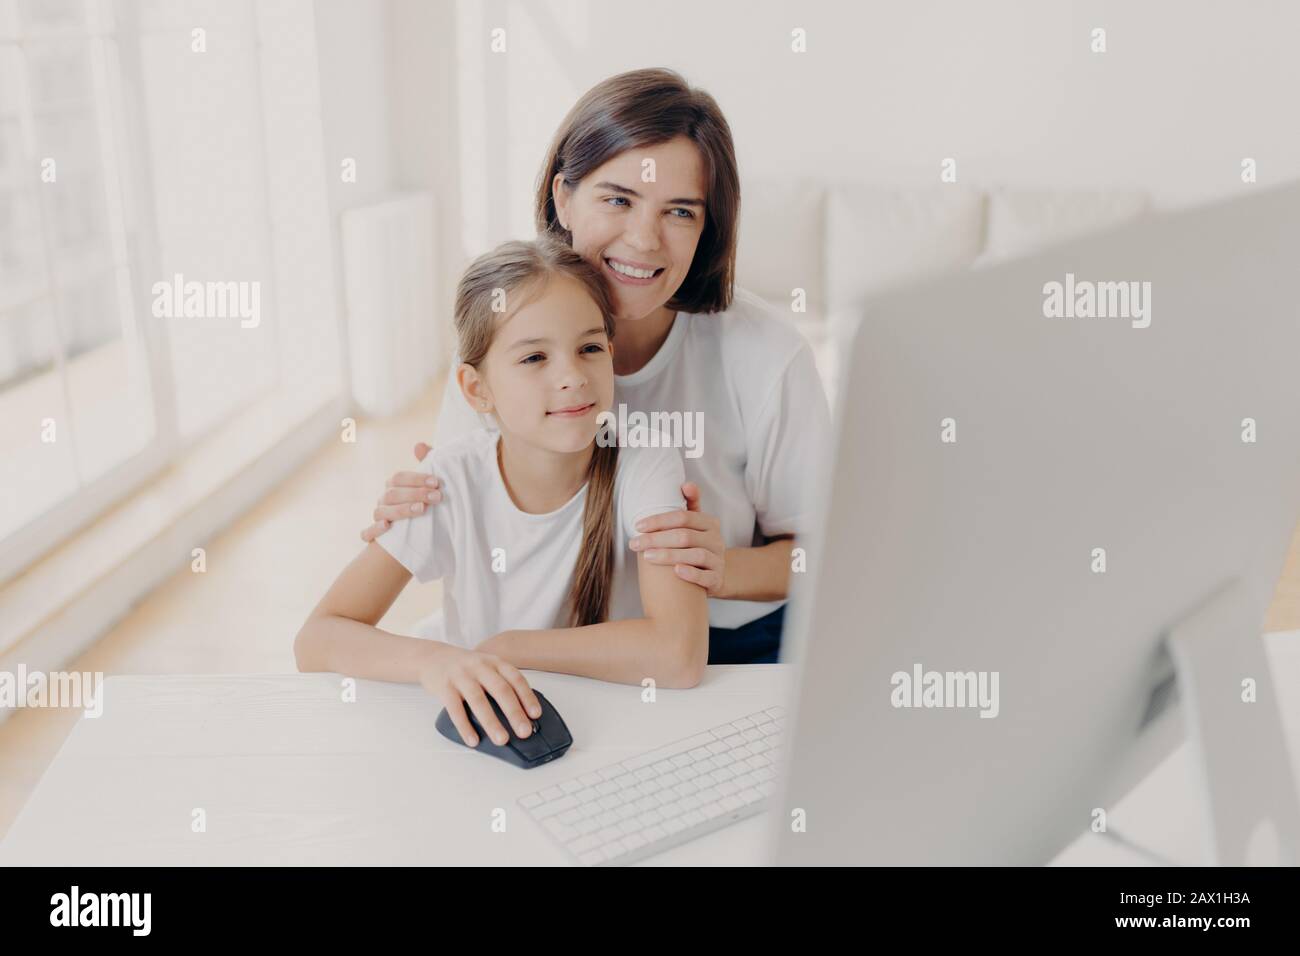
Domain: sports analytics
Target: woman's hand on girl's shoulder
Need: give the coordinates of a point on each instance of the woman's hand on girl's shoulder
(461, 678)
(690, 540)
(406, 495)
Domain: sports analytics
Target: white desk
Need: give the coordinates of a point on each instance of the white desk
(289, 774)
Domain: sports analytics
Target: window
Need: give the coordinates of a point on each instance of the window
(145, 143)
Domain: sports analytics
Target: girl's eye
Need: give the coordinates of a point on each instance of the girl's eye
(591, 347)
(689, 213)
(528, 359)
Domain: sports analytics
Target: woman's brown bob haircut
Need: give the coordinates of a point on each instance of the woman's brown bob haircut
(645, 108)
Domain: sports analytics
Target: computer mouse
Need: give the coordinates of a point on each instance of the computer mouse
(548, 741)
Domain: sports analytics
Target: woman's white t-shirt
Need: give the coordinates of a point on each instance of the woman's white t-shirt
(505, 569)
(766, 423)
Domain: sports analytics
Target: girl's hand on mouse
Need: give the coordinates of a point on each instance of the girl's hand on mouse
(689, 540)
(407, 494)
(461, 677)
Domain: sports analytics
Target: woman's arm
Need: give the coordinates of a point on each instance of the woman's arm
(691, 543)
(786, 440)
(340, 636)
(407, 494)
(761, 573)
(670, 644)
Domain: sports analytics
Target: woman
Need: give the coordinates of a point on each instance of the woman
(641, 180)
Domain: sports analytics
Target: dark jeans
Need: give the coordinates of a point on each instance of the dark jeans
(758, 642)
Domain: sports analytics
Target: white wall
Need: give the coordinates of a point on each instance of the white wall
(886, 90)
(388, 88)
(425, 114)
(353, 50)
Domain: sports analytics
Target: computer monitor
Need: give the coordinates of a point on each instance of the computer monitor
(1057, 483)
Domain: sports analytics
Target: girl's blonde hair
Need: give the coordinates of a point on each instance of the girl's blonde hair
(520, 271)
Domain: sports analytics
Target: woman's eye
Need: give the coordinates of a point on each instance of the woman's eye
(616, 199)
(528, 359)
(689, 213)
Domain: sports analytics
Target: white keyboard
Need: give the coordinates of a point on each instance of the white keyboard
(660, 799)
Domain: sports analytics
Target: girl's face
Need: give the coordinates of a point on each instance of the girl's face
(642, 235)
(549, 371)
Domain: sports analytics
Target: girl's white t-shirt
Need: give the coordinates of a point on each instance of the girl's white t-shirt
(504, 569)
(766, 423)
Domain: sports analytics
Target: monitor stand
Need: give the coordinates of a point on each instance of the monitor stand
(1237, 747)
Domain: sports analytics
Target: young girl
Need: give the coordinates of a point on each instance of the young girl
(531, 538)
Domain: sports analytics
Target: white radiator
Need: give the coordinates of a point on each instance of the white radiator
(395, 341)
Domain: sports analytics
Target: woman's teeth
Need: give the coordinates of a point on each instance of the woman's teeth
(629, 271)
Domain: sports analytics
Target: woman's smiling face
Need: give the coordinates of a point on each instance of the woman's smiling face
(641, 235)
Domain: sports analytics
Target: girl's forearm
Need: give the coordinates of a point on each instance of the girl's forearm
(624, 652)
(340, 645)
(758, 574)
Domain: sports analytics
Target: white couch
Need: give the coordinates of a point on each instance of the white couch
(841, 243)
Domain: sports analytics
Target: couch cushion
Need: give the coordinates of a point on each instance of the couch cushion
(878, 237)
(1022, 221)
(782, 225)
